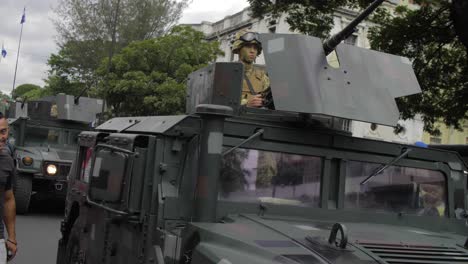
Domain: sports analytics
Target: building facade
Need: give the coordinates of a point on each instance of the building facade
(448, 135)
(224, 31)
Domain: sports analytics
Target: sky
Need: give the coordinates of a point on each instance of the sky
(39, 35)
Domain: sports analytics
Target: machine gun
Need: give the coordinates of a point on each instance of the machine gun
(329, 45)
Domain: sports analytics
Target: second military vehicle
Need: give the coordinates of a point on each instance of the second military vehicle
(45, 133)
(227, 184)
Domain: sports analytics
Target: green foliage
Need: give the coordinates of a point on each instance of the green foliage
(149, 77)
(311, 17)
(23, 89)
(72, 68)
(434, 37)
(428, 37)
(35, 94)
(4, 102)
(91, 30)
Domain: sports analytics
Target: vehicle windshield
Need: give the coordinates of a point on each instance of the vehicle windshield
(250, 175)
(397, 189)
(46, 136)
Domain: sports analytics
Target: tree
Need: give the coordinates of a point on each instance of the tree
(91, 30)
(70, 72)
(149, 77)
(433, 36)
(23, 89)
(428, 36)
(311, 17)
(4, 102)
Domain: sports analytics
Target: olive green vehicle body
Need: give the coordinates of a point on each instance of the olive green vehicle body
(228, 184)
(42, 138)
(154, 190)
(153, 211)
(461, 149)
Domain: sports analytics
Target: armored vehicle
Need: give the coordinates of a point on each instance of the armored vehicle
(229, 184)
(45, 133)
(461, 149)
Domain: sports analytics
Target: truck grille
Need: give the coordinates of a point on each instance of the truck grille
(405, 254)
(62, 169)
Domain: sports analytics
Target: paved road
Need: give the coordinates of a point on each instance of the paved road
(38, 233)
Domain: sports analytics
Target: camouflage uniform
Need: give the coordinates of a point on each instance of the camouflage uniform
(257, 75)
(259, 80)
(266, 169)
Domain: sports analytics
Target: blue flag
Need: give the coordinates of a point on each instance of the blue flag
(23, 18)
(4, 53)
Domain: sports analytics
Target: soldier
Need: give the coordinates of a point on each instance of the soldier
(248, 47)
(432, 196)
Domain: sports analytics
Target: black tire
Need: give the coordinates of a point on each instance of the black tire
(73, 248)
(23, 191)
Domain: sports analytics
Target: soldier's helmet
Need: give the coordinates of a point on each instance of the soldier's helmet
(246, 36)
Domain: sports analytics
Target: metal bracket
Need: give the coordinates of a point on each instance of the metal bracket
(344, 235)
(256, 134)
(107, 208)
(114, 148)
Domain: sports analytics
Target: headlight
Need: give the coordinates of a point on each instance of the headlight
(51, 169)
(27, 161)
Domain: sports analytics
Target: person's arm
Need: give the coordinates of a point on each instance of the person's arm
(10, 214)
(9, 217)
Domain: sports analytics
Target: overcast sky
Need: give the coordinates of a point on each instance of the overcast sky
(38, 40)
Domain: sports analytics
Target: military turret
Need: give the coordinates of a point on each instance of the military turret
(44, 133)
(363, 87)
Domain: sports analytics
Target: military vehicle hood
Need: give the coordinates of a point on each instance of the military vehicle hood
(253, 239)
(45, 153)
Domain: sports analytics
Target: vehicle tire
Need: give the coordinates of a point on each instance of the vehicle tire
(23, 191)
(72, 251)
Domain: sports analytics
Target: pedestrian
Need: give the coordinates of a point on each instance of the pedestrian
(7, 198)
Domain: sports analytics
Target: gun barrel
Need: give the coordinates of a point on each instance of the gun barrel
(330, 44)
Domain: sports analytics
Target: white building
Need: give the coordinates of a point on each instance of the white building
(224, 31)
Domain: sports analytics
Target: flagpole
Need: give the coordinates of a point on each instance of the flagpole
(17, 55)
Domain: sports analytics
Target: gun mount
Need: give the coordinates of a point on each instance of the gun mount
(363, 88)
(60, 107)
(330, 44)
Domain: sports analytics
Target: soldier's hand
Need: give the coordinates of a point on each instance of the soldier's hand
(255, 101)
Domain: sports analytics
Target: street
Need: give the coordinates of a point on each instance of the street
(38, 233)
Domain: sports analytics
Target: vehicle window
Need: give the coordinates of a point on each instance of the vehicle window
(41, 135)
(250, 175)
(71, 137)
(107, 175)
(74, 137)
(396, 189)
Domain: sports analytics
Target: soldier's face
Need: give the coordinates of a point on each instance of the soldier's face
(3, 132)
(248, 53)
(432, 194)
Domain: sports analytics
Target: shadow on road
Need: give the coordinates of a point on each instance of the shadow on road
(47, 207)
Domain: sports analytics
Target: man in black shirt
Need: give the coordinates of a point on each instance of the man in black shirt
(7, 199)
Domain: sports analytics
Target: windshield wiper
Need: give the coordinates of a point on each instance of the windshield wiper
(258, 133)
(381, 169)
